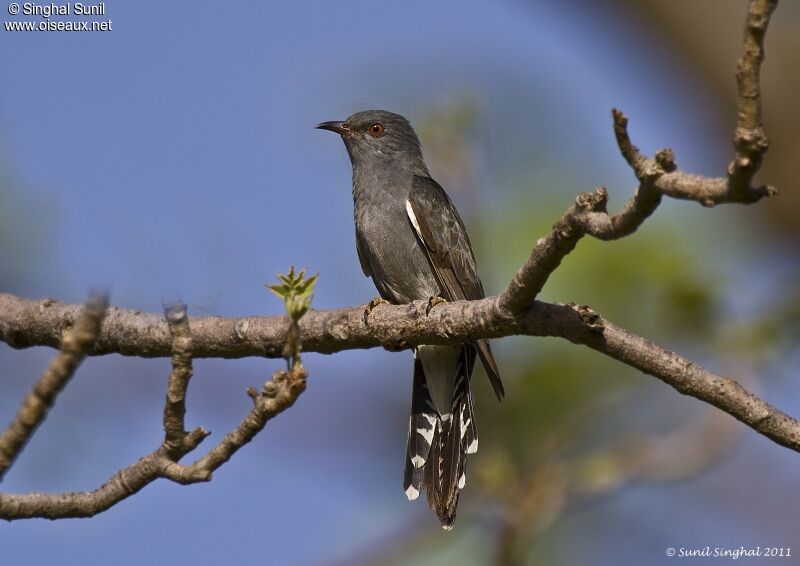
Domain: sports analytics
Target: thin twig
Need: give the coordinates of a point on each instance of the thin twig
(660, 177)
(76, 342)
(275, 397)
(177, 441)
(750, 141)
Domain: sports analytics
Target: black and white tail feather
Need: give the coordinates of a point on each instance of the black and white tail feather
(439, 441)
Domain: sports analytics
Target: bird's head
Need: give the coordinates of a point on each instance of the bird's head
(377, 135)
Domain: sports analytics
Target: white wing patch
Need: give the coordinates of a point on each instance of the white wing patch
(413, 218)
(412, 493)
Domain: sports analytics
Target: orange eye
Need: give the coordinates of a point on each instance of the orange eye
(376, 130)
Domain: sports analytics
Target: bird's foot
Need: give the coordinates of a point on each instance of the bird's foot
(432, 302)
(371, 305)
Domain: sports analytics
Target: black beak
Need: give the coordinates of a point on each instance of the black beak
(335, 126)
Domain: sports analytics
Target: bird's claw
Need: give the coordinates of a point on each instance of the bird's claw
(432, 302)
(371, 305)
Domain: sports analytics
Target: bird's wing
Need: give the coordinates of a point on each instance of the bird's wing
(444, 238)
(362, 256)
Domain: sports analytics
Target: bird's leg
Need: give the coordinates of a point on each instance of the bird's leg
(432, 302)
(371, 305)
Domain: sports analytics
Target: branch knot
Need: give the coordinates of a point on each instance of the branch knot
(589, 318)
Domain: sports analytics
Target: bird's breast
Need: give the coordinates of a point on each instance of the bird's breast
(400, 267)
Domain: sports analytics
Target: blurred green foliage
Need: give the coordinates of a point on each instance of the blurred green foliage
(647, 283)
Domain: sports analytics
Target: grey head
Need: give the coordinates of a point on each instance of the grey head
(379, 139)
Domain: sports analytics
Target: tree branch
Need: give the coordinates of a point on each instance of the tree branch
(660, 177)
(75, 344)
(750, 141)
(177, 441)
(276, 396)
(448, 323)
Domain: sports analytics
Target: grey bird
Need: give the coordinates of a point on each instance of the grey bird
(412, 243)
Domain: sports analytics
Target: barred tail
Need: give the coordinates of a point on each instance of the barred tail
(439, 440)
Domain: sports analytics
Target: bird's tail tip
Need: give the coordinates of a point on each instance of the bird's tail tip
(438, 443)
(447, 516)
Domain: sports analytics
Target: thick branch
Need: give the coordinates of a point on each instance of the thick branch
(25, 323)
(74, 346)
(448, 323)
(691, 379)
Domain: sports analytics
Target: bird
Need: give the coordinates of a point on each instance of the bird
(412, 242)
